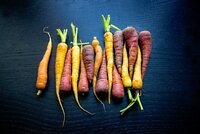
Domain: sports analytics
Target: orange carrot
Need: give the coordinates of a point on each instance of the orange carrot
(108, 39)
(42, 69)
(98, 60)
(59, 65)
(65, 84)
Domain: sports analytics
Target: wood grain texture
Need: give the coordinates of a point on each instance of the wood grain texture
(171, 85)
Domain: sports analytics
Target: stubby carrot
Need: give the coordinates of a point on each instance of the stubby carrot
(88, 59)
(131, 38)
(108, 39)
(102, 82)
(43, 66)
(59, 65)
(118, 46)
(125, 74)
(65, 84)
(118, 89)
(83, 81)
(76, 65)
(146, 47)
(98, 61)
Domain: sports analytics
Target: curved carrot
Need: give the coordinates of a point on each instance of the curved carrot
(131, 38)
(76, 65)
(59, 65)
(146, 47)
(98, 60)
(118, 46)
(42, 69)
(83, 81)
(65, 84)
(108, 39)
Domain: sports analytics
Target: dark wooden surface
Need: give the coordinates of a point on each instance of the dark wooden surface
(171, 86)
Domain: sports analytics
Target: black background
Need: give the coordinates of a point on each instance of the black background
(171, 86)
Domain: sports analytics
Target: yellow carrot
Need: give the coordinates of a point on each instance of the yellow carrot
(108, 39)
(59, 65)
(76, 66)
(125, 74)
(42, 69)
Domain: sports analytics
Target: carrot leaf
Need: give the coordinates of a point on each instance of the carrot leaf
(63, 35)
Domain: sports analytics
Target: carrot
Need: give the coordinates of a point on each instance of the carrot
(42, 69)
(131, 38)
(108, 39)
(65, 84)
(125, 74)
(59, 65)
(76, 65)
(83, 81)
(118, 46)
(118, 89)
(136, 84)
(88, 59)
(102, 82)
(98, 60)
(146, 46)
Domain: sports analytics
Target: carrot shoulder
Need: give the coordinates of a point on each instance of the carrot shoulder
(43, 66)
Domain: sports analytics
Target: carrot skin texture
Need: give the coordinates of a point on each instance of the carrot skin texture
(118, 89)
(145, 43)
(102, 82)
(131, 37)
(88, 59)
(65, 85)
(108, 38)
(43, 66)
(118, 46)
(83, 81)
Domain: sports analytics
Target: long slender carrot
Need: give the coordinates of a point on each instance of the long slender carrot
(108, 39)
(76, 65)
(118, 46)
(125, 74)
(131, 38)
(59, 65)
(146, 47)
(98, 61)
(65, 84)
(42, 69)
(83, 81)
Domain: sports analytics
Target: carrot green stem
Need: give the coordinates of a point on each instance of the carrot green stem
(129, 106)
(63, 35)
(106, 23)
(39, 92)
(129, 94)
(114, 27)
(84, 43)
(74, 34)
(138, 99)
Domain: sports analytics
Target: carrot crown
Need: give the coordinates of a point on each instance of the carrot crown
(106, 23)
(74, 34)
(63, 35)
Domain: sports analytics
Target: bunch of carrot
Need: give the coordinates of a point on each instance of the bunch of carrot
(75, 67)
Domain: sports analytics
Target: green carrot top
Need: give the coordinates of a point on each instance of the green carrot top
(106, 23)
(63, 35)
(74, 34)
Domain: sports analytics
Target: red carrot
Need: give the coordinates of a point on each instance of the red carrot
(83, 82)
(65, 84)
(146, 47)
(131, 38)
(102, 82)
(118, 46)
(88, 59)
(118, 89)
